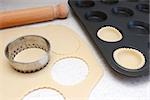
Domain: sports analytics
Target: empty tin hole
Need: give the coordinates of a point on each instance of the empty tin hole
(129, 58)
(122, 11)
(109, 34)
(96, 16)
(132, 0)
(110, 1)
(138, 25)
(85, 3)
(69, 71)
(44, 94)
(143, 7)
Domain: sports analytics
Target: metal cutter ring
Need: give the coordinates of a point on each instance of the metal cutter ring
(25, 42)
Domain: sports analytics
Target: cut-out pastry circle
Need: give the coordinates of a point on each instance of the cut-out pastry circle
(44, 94)
(69, 71)
(109, 34)
(129, 58)
(62, 45)
(30, 55)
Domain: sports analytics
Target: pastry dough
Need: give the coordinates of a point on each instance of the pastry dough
(15, 85)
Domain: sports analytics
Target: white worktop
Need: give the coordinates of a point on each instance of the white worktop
(112, 86)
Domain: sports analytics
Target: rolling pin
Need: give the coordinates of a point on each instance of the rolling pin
(32, 15)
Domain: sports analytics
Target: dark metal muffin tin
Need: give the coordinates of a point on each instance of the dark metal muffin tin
(130, 17)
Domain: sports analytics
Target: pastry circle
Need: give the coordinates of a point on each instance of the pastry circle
(109, 34)
(129, 58)
(29, 55)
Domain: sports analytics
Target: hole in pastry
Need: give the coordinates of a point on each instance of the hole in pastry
(44, 94)
(96, 16)
(139, 26)
(122, 11)
(129, 58)
(29, 55)
(69, 71)
(143, 8)
(85, 3)
(110, 1)
(109, 34)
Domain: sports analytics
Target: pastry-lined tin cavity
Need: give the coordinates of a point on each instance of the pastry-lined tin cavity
(69, 71)
(44, 94)
(21, 84)
(109, 34)
(129, 58)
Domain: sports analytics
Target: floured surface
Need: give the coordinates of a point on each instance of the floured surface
(16, 85)
(30, 55)
(69, 71)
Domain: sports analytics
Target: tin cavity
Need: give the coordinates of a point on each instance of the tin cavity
(129, 58)
(110, 1)
(132, 0)
(69, 71)
(143, 8)
(85, 3)
(96, 16)
(109, 34)
(122, 11)
(30, 55)
(139, 27)
(44, 94)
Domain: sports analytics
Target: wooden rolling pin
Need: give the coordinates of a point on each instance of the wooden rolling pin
(32, 15)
